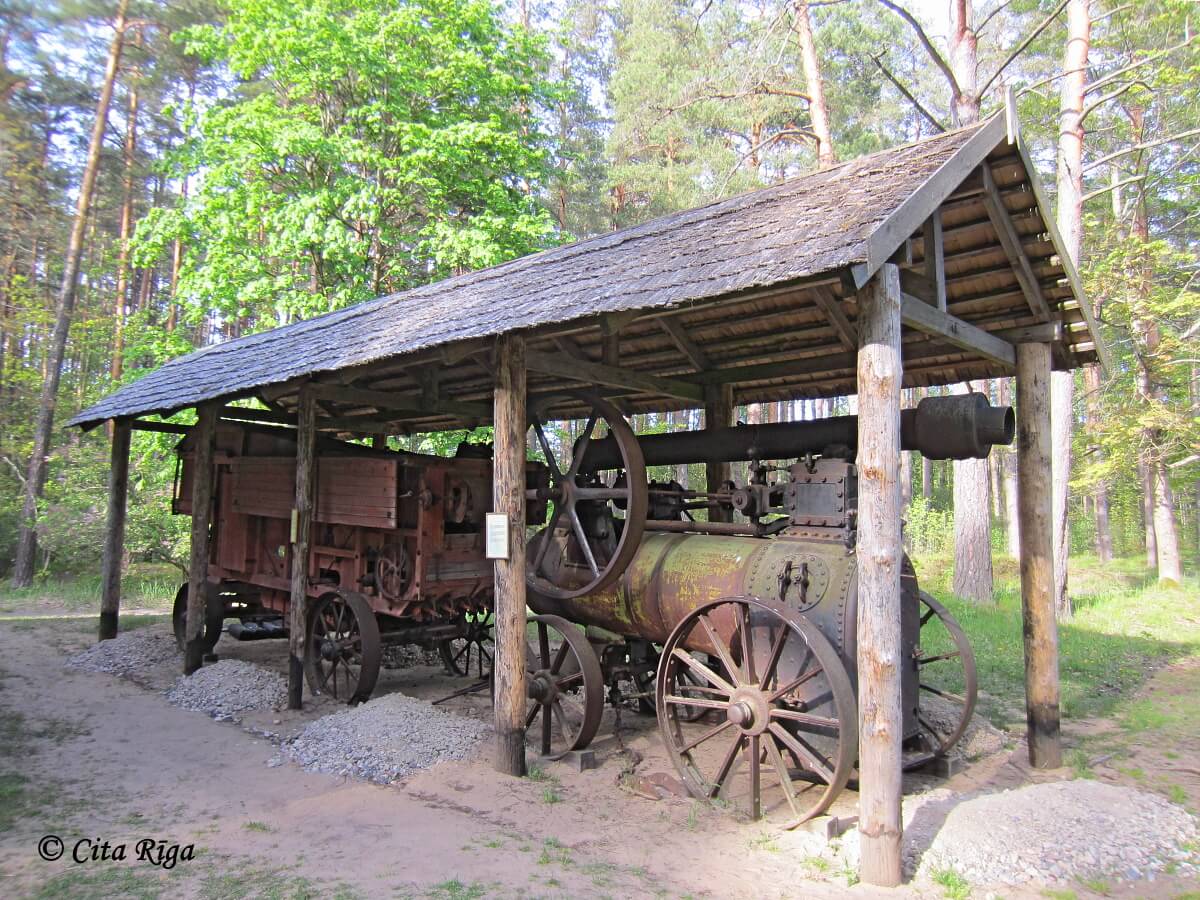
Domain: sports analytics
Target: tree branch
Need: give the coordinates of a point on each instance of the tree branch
(1104, 98)
(1133, 65)
(1020, 48)
(925, 113)
(1144, 145)
(999, 9)
(926, 43)
(1112, 187)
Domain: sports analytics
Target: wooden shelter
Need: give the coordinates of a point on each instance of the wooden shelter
(927, 264)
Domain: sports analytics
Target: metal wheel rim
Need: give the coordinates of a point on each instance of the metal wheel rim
(635, 494)
(785, 732)
(343, 648)
(964, 656)
(582, 689)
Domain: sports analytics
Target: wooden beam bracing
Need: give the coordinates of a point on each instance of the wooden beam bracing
(919, 315)
(829, 304)
(935, 258)
(678, 334)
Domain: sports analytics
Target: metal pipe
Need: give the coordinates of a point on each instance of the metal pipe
(962, 426)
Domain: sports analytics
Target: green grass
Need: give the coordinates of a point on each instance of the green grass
(102, 882)
(257, 826)
(456, 890)
(953, 885)
(1124, 627)
(145, 585)
(554, 852)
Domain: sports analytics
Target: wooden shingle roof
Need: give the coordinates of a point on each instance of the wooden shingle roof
(740, 284)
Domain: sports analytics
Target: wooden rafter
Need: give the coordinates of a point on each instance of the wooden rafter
(1010, 240)
(829, 304)
(678, 334)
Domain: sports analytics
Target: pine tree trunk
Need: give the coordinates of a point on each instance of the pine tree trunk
(126, 233)
(818, 110)
(35, 479)
(972, 529)
(964, 103)
(1070, 226)
(1145, 473)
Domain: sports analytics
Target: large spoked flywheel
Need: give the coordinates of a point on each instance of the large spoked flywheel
(586, 546)
(780, 730)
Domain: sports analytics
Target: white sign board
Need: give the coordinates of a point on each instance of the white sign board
(497, 535)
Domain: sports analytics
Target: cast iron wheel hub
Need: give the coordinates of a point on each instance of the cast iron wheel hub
(749, 710)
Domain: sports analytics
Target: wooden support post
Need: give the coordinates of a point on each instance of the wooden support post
(306, 481)
(1037, 555)
(508, 474)
(114, 536)
(881, 722)
(204, 434)
(718, 413)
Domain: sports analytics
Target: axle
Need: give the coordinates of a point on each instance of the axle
(964, 426)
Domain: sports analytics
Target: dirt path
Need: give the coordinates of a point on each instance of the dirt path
(104, 758)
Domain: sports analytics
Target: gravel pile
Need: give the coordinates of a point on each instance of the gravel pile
(1057, 832)
(384, 739)
(130, 651)
(980, 739)
(404, 656)
(228, 687)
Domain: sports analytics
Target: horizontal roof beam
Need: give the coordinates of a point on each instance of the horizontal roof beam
(919, 315)
(564, 366)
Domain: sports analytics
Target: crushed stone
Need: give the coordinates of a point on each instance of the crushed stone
(981, 737)
(384, 739)
(1055, 832)
(229, 687)
(130, 651)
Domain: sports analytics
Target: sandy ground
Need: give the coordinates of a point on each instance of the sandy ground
(110, 759)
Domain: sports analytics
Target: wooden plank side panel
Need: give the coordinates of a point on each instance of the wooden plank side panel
(349, 491)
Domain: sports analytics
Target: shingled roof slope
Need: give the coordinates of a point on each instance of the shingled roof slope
(816, 223)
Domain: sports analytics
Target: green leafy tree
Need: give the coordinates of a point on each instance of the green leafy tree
(366, 147)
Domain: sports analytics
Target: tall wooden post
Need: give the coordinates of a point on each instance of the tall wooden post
(1037, 555)
(306, 432)
(114, 536)
(204, 435)
(508, 474)
(880, 716)
(718, 413)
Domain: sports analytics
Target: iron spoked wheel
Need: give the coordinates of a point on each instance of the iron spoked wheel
(946, 672)
(785, 734)
(343, 650)
(603, 554)
(475, 649)
(564, 684)
(647, 685)
(214, 619)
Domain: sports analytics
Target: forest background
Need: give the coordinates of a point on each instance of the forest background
(177, 174)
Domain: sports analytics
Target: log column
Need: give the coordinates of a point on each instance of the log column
(1037, 555)
(508, 473)
(204, 435)
(718, 413)
(880, 373)
(306, 430)
(114, 536)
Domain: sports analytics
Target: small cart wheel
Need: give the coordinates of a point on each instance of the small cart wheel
(214, 619)
(564, 684)
(946, 671)
(784, 702)
(343, 650)
(475, 648)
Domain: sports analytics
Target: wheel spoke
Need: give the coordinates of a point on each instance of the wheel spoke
(711, 733)
(541, 436)
(568, 733)
(722, 650)
(929, 615)
(601, 493)
(695, 702)
(785, 777)
(803, 752)
(583, 542)
(532, 714)
(747, 644)
(580, 449)
(792, 685)
(727, 762)
(568, 679)
(560, 657)
(946, 695)
(702, 670)
(804, 718)
(773, 661)
(543, 645)
(547, 536)
(755, 778)
(925, 660)
(928, 727)
(547, 734)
